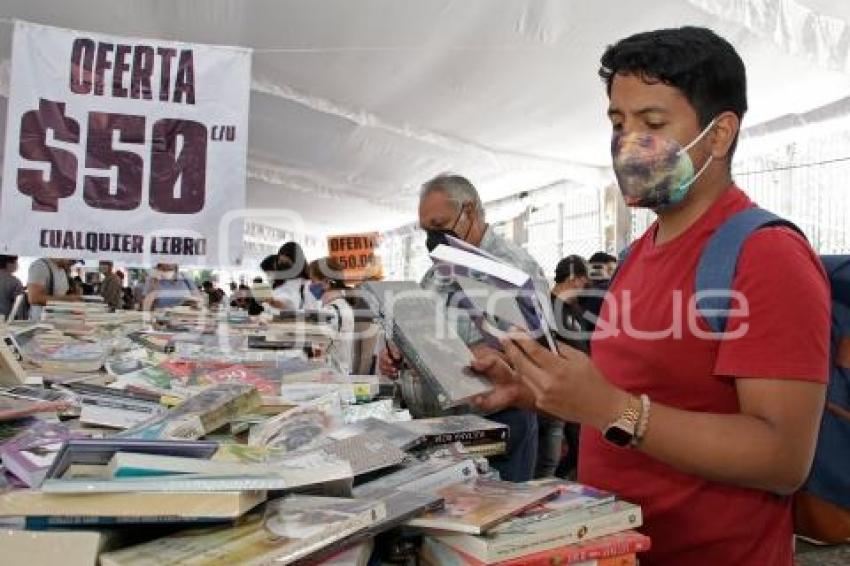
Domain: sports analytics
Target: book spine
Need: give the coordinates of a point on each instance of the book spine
(40, 523)
(435, 553)
(121, 405)
(160, 485)
(615, 551)
(592, 528)
(622, 560)
(470, 437)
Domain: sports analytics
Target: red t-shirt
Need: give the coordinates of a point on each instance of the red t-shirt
(692, 520)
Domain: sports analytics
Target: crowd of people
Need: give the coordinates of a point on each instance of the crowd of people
(290, 283)
(54, 279)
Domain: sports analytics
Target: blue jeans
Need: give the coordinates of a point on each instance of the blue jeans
(517, 465)
(551, 434)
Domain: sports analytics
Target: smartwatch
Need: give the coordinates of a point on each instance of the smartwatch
(622, 431)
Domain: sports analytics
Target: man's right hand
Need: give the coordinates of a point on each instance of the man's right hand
(387, 361)
(508, 388)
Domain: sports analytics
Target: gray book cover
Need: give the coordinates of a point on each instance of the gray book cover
(422, 330)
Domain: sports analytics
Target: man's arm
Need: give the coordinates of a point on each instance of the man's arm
(37, 295)
(768, 445)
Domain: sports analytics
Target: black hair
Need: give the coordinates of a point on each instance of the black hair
(602, 257)
(570, 267)
(269, 264)
(7, 260)
(297, 261)
(698, 62)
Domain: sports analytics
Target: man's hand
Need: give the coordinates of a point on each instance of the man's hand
(565, 385)
(388, 361)
(508, 388)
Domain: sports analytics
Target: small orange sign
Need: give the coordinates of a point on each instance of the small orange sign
(356, 254)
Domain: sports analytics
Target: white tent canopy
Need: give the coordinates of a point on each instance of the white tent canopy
(355, 103)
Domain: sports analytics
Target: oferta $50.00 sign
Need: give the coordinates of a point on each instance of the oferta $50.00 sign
(132, 149)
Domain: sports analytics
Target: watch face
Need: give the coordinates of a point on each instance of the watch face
(619, 436)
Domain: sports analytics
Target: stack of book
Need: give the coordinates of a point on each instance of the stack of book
(577, 525)
(479, 435)
(49, 349)
(131, 446)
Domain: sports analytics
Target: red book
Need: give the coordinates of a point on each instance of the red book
(612, 546)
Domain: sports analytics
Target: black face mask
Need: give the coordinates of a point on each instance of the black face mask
(437, 236)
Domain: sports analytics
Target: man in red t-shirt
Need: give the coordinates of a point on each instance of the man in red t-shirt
(708, 433)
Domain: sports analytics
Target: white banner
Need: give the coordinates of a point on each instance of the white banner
(121, 148)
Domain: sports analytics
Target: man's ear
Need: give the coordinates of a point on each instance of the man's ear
(725, 131)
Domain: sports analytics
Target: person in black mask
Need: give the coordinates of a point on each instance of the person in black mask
(436, 233)
(602, 267)
(449, 205)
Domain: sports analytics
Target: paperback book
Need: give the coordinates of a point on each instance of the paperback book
(293, 529)
(134, 505)
(421, 477)
(29, 455)
(419, 325)
(13, 407)
(100, 451)
(469, 430)
(617, 550)
(479, 505)
(498, 295)
(201, 414)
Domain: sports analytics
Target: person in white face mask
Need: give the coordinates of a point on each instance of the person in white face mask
(328, 288)
(167, 287)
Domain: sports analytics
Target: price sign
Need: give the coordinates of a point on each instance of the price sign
(356, 254)
(132, 149)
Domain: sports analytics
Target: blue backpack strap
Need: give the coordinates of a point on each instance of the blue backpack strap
(719, 261)
(838, 270)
